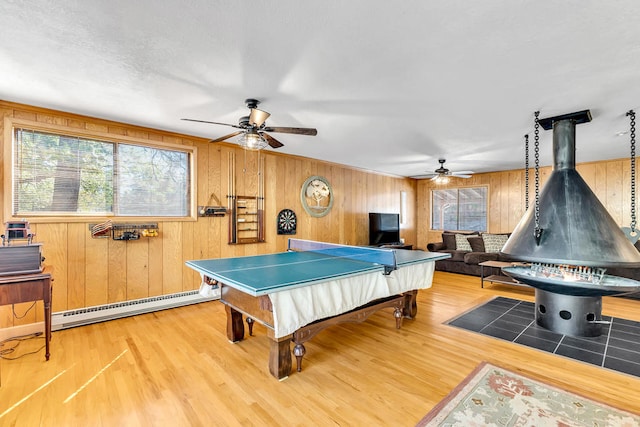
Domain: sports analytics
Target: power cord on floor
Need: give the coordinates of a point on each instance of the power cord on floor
(9, 350)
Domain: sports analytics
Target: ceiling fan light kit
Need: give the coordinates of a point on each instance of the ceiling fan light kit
(253, 131)
(252, 140)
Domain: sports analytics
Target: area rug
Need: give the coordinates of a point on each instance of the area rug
(494, 396)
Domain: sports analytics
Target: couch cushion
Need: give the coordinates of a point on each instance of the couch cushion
(449, 240)
(436, 246)
(477, 243)
(494, 242)
(478, 257)
(456, 255)
(462, 244)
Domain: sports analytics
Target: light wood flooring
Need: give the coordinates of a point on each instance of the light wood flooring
(176, 368)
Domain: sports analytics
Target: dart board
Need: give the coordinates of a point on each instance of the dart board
(287, 222)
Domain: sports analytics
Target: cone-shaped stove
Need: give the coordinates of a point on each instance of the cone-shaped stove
(572, 243)
(576, 228)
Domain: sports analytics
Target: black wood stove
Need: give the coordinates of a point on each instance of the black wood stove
(568, 241)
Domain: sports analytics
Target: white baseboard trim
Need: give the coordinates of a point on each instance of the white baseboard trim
(95, 314)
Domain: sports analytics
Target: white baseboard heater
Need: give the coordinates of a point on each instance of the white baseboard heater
(102, 313)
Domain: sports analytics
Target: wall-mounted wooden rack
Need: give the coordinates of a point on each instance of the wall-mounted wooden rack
(127, 231)
(247, 218)
(246, 222)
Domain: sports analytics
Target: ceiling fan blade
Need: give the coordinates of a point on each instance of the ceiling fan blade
(231, 135)
(461, 176)
(273, 143)
(297, 131)
(258, 117)
(212, 123)
(462, 173)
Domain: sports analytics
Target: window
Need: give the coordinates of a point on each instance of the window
(459, 209)
(62, 175)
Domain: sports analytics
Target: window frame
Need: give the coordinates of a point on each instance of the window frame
(431, 209)
(10, 123)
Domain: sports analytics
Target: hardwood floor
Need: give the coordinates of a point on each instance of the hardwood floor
(177, 368)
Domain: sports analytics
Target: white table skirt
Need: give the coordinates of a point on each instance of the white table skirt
(298, 307)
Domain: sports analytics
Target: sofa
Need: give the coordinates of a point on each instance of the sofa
(465, 259)
(468, 250)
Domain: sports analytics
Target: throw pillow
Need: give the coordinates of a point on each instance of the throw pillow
(462, 244)
(477, 243)
(494, 242)
(449, 240)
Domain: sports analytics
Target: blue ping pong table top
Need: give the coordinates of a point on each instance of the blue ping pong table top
(263, 274)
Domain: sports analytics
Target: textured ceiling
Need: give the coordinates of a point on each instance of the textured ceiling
(390, 86)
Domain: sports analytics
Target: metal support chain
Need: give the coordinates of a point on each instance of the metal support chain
(632, 116)
(538, 231)
(526, 172)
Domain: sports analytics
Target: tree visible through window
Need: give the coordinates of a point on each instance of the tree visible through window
(459, 209)
(67, 175)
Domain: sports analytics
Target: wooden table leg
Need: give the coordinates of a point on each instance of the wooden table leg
(47, 316)
(279, 355)
(235, 326)
(398, 315)
(299, 351)
(250, 323)
(410, 304)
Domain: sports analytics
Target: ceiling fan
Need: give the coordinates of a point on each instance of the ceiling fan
(254, 130)
(442, 174)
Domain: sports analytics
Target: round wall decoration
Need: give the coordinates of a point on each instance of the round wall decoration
(287, 222)
(316, 196)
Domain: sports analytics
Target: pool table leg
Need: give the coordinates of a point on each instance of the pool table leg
(235, 326)
(279, 355)
(410, 304)
(250, 323)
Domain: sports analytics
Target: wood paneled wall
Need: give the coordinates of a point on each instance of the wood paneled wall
(90, 272)
(609, 180)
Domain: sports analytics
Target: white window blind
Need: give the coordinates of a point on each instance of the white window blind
(58, 175)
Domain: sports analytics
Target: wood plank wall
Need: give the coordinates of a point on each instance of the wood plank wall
(610, 181)
(89, 272)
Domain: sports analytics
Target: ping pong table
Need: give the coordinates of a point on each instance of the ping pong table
(311, 286)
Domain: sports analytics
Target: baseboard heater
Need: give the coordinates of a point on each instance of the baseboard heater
(102, 313)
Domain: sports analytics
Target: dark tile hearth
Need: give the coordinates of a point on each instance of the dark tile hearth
(618, 348)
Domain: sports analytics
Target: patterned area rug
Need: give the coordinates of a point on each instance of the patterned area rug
(493, 396)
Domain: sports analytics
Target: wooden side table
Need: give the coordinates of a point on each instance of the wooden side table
(29, 287)
(497, 278)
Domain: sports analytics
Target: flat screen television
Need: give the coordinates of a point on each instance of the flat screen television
(384, 229)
